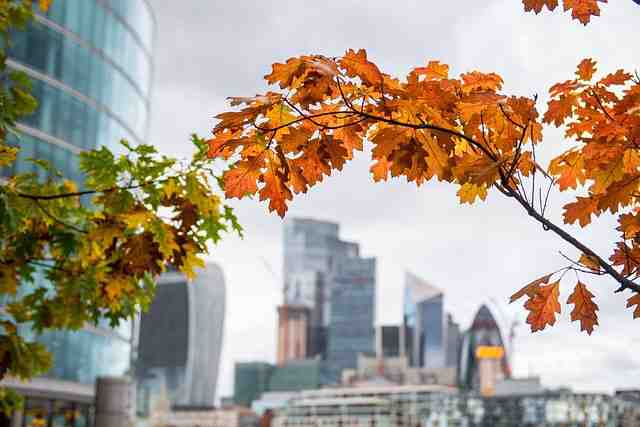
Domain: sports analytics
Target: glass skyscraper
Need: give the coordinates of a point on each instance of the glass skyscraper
(424, 323)
(90, 63)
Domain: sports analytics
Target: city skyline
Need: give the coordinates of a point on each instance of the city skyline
(423, 230)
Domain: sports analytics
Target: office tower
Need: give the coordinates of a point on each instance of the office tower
(90, 63)
(311, 249)
(181, 340)
(351, 331)
(424, 323)
(483, 361)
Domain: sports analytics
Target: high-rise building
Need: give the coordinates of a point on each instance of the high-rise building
(181, 340)
(311, 250)
(351, 331)
(424, 323)
(293, 333)
(483, 360)
(90, 63)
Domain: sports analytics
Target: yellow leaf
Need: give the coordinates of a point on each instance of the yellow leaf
(469, 192)
(190, 262)
(8, 280)
(589, 262)
(137, 217)
(170, 188)
(44, 5)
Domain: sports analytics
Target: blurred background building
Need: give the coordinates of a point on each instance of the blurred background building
(91, 65)
(483, 359)
(181, 340)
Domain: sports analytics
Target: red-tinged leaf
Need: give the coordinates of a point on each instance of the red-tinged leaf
(583, 10)
(242, 178)
(634, 300)
(537, 5)
(580, 211)
(620, 77)
(584, 309)
(357, 65)
(543, 307)
(558, 110)
(586, 69)
(530, 289)
(223, 145)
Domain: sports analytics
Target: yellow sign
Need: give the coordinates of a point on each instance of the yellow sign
(489, 352)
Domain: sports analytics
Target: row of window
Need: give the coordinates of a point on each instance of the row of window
(65, 117)
(51, 53)
(94, 23)
(82, 356)
(56, 413)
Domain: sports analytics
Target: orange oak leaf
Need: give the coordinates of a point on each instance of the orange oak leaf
(558, 110)
(275, 191)
(357, 65)
(433, 71)
(537, 5)
(543, 306)
(380, 169)
(582, 10)
(242, 178)
(586, 69)
(530, 289)
(584, 308)
(580, 211)
(634, 300)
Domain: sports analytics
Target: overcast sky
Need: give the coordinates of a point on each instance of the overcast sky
(208, 50)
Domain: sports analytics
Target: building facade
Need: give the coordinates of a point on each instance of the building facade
(436, 406)
(311, 251)
(181, 340)
(390, 341)
(351, 325)
(90, 63)
(424, 323)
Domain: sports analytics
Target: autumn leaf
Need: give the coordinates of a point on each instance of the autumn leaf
(543, 306)
(531, 288)
(276, 192)
(586, 69)
(590, 262)
(580, 211)
(584, 308)
(242, 178)
(582, 10)
(433, 71)
(537, 5)
(357, 65)
(44, 5)
(469, 192)
(634, 300)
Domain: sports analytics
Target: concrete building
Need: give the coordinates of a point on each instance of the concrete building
(181, 339)
(90, 63)
(390, 341)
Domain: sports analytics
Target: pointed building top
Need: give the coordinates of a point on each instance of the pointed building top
(418, 289)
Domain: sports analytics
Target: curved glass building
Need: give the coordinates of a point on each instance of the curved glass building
(90, 63)
(91, 66)
(181, 341)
